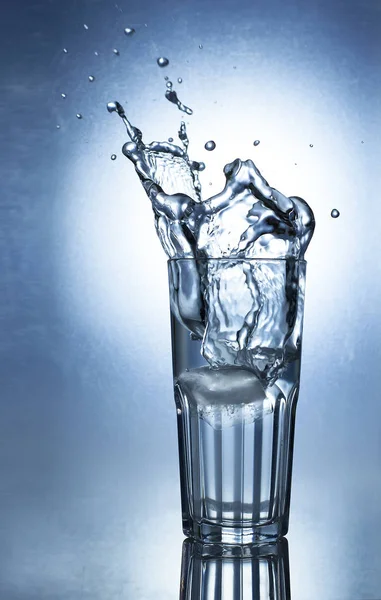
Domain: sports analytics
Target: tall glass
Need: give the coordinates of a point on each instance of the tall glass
(236, 344)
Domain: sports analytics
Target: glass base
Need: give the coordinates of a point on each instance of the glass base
(221, 534)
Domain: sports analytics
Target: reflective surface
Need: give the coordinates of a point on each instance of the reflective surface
(89, 489)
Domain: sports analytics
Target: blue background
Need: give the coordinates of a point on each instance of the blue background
(89, 487)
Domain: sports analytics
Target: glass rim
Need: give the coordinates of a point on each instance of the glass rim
(238, 258)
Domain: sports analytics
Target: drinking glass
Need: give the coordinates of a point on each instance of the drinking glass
(236, 345)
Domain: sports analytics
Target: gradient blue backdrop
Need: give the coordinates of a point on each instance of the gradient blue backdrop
(89, 492)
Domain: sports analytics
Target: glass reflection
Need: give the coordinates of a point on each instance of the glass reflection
(216, 572)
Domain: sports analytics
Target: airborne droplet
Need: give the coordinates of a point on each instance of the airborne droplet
(58, 126)
(311, 145)
(210, 145)
(257, 142)
(116, 51)
(91, 78)
(172, 97)
(85, 26)
(169, 85)
(129, 31)
(179, 80)
(170, 139)
(79, 116)
(63, 95)
(162, 61)
(200, 46)
(96, 53)
(114, 107)
(64, 50)
(113, 156)
(335, 213)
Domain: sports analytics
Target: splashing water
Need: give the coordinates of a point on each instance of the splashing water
(247, 219)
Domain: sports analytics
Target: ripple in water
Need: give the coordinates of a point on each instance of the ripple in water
(162, 61)
(210, 145)
(335, 213)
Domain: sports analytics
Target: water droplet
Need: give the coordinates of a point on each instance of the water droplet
(210, 145)
(335, 213)
(179, 80)
(169, 84)
(58, 126)
(129, 31)
(170, 139)
(311, 145)
(96, 53)
(116, 51)
(63, 95)
(296, 164)
(362, 141)
(79, 116)
(201, 166)
(178, 410)
(210, 183)
(113, 156)
(65, 50)
(91, 78)
(166, 78)
(257, 142)
(114, 107)
(234, 67)
(200, 46)
(172, 97)
(85, 26)
(162, 61)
